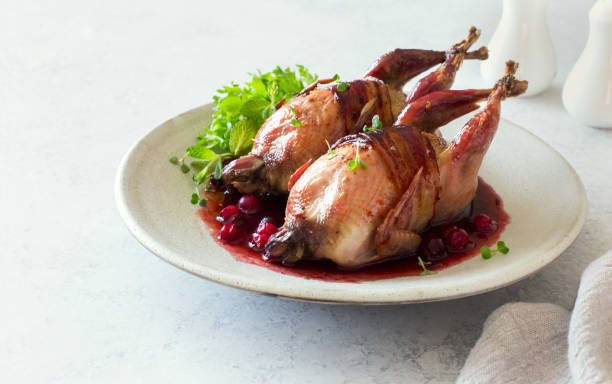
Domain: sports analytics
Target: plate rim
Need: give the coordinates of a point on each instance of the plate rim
(174, 258)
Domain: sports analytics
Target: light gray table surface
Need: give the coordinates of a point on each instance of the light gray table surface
(84, 302)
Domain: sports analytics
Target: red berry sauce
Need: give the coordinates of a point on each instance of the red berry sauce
(243, 224)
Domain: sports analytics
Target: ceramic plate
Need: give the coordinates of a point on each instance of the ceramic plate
(540, 190)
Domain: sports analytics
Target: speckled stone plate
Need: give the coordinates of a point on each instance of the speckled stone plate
(541, 192)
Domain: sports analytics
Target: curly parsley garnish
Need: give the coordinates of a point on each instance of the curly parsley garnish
(239, 112)
(487, 252)
(376, 124)
(352, 164)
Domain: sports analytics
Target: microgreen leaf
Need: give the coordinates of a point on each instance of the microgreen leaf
(424, 264)
(294, 121)
(173, 160)
(352, 164)
(485, 252)
(501, 247)
(194, 198)
(336, 77)
(330, 152)
(184, 168)
(342, 86)
(376, 124)
(203, 203)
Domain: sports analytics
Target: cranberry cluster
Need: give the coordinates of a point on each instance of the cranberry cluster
(248, 219)
(439, 241)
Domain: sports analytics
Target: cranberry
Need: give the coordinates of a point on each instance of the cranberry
(249, 204)
(267, 228)
(457, 239)
(444, 230)
(432, 247)
(229, 214)
(484, 223)
(229, 232)
(260, 239)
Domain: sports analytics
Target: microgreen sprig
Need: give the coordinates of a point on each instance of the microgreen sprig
(294, 121)
(342, 85)
(376, 124)
(196, 198)
(180, 162)
(330, 152)
(352, 164)
(487, 252)
(424, 264)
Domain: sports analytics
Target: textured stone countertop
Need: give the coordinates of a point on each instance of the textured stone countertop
(84, 302)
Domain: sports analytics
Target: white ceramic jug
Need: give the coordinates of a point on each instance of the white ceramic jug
(587, 94)
(522, 35)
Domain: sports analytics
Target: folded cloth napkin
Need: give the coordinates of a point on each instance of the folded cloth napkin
(544, 343)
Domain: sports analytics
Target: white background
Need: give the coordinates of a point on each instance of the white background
(82, 301)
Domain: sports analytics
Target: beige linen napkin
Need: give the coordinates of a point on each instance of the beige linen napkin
(544, 343)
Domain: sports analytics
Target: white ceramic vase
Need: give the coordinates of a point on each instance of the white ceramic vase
(522, 35)
(587, 94)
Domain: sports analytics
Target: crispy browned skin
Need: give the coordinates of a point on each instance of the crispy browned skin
(461, 159)
(395, 68)
(443, 77)
(356, 217)
(326, 114)
(336, 211)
